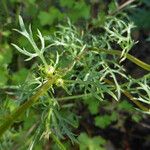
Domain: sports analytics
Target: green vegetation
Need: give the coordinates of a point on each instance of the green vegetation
(65, 63)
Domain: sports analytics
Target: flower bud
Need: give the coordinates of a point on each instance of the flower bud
(59, 82)
(49, 70)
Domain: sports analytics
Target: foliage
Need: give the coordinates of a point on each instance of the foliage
(95, 143)
(68, 66)
(143, 22)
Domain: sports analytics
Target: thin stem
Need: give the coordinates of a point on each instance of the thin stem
(128, 95)
(140, 105)
(125, 4)
(122, 6)
(74, 97)
(133, 59)
(43, 60)
(21, 109)
(121, 85)
(135, 80)
(60, 145)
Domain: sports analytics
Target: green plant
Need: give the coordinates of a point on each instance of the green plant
(74, 62)
(141, 12)
(95, 143)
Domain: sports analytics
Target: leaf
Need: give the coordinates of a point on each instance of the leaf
(136, 118)
(70, 118)
(20, 76)
(58, 142)
(95, 143)
(42, 40)
(48, 18)
(80, 10)
(114, 116)
(93, 104)
(100, 21)
(23, 51)
(124, 105)
(44, 18)
(103, 121)
(21, 23)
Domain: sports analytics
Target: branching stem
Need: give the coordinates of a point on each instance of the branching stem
(18, 112)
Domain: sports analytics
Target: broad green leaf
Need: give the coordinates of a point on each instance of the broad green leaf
(124, 105)
(93, 104)
(103, 121)
(94, 143)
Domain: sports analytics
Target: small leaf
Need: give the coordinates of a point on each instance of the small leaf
(50, 17)
(93, 104)
(91, 143)
(42, 41)
(124, 105)
(21, 23)
(103, 121)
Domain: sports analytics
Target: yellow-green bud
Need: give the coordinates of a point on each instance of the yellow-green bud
(49, 70)
(59, 82)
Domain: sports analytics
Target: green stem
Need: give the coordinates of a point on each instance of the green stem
(128, 56)
(43, 60)
(58, 142)
(21, 109)
(135, 80)
(126, 93)
(135, 101)
(74, 97)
